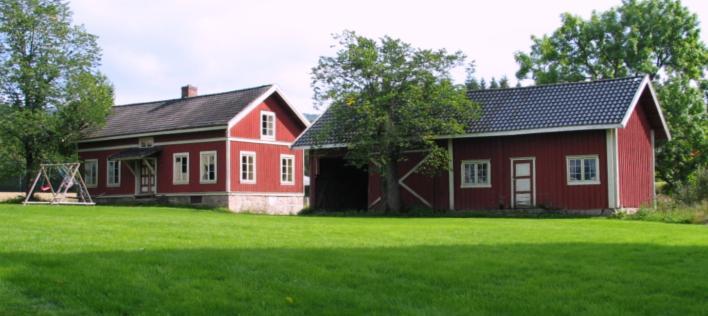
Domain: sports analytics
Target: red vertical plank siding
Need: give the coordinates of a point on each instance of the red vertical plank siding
(287, 126)
(635, 159)
(550, 151)
(267, 168)
(127, 180)
(165, 166)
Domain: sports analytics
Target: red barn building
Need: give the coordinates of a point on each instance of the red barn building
(585, 146)
(230, 149)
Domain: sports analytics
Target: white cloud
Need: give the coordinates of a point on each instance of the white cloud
(151, 48)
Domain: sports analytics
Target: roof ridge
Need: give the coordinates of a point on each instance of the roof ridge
(543, 85)
(195, 97)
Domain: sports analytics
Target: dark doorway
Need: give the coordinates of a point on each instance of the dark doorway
(340, 186)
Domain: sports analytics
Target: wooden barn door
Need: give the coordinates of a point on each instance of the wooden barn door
(523, 186)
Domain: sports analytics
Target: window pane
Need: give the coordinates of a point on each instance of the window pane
(574, 169)
(482, 173)
(590, 172)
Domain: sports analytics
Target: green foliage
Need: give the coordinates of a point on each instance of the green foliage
(670, 212)
(660, 38)
(387, 97)
(50, 86)
(695, 190)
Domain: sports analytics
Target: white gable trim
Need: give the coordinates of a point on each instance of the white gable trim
(646, 82)
(251, 106)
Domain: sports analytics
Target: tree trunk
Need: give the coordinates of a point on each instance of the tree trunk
(391, 190)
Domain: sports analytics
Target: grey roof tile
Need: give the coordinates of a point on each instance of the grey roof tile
(590, 103)
(194, 112)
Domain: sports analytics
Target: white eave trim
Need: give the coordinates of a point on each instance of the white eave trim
(646, 82)
(251, 106)
(176, 131)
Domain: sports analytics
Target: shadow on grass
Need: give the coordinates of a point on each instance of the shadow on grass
(510, 213)
(572, 278)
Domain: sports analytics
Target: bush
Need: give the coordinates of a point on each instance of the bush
(670, 211)
(695, 190)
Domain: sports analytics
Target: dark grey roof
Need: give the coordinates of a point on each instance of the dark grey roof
(135, 153)
(591, 103)
(194, 112)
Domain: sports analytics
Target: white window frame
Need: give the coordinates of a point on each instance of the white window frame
(93, 184)
(582, 159)
(146, 142)
(177, 169)
(240, 167)
(292, 169)
(201, 167)
(108, 173)
(475, 163)
(260, 127)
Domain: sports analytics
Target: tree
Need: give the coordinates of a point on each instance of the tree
(50, 85)
(504, 82)
(387, 97)
(493, 84)
(660, 38)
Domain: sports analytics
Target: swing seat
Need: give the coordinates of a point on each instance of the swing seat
(45, 188)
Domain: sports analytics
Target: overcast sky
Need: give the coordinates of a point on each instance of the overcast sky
(152, 48)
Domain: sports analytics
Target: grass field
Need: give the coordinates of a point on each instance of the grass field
(129, 260)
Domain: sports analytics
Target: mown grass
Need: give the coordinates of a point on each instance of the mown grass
(155, 260)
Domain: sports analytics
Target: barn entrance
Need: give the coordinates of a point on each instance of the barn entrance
(340, 186)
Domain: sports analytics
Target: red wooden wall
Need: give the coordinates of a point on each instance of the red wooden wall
(635, 158)
(550, 151)
(287, 128)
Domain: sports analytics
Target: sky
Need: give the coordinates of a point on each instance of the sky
(152, 48)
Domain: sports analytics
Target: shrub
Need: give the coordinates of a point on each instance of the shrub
(695, 190)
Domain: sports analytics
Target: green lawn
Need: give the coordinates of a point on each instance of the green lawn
(129, 260)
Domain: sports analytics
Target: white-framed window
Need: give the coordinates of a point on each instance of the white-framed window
(267, 125)
(207, 167)
(146, 142)
(248, 167)
(583, 169)
(91, 172)
(113, 173)
(476, 174)
(287, 169)
(180, 168)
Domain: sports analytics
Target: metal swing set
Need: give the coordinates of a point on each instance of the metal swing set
(70, 177)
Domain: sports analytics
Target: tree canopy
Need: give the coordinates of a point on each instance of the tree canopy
(50, 85)
(660, 38)
(387, 97)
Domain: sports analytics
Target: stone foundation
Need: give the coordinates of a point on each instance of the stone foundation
(266, 204)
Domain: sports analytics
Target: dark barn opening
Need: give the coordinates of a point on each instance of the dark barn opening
(340, 186)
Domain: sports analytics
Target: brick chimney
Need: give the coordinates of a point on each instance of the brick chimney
(189, 91)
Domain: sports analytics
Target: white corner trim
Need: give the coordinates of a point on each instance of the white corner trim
(451, 175)
(653, 170)
(228, 163)
(611, 176)
(405, 176)
(617, 169)
(251, 106)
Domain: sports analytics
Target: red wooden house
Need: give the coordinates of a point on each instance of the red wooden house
(576, 146)
(228, 149)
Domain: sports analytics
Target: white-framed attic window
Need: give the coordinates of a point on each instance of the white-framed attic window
(267, 125)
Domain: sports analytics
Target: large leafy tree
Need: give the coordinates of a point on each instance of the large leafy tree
(387, 97)
(50, 85)
(660, 38)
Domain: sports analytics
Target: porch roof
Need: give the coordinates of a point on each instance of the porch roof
(135, 153)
